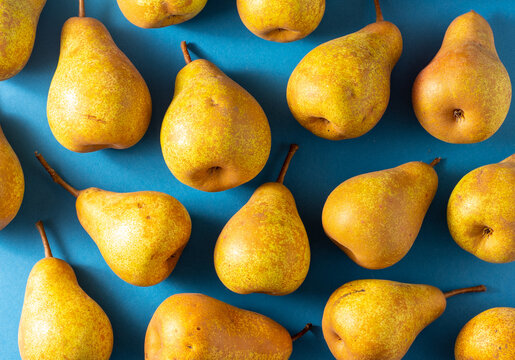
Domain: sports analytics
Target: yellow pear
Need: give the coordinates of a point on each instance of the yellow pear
(341, 89)
(489, 335)
(481, 212)
(18, 23)
(376, 217)
(264, 247)
(141, 235)
(281, 20)
(59, 321)
(464, 94)
(196, 326)
(215, 135)
(380, 319)
(97, 98)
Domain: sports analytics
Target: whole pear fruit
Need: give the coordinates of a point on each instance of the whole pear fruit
(464, 94)
(215, 136)
(341, 89)
(481, 212)
(380, 319)
(141, 235)
(264, 247)
(59, 321)
(375, 218)
(97, 98)
(489, 335)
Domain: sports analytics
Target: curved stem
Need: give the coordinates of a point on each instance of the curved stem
(302, 332)
(291, 152)
(185, 52)
(46, 245)
(435, 161)
(379, 14)
(82, 11)
(56, 177)
(479, 288)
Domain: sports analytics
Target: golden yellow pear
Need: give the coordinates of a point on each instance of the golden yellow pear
(264, 247)
(481, 212)
(59, 321)
(464, 94)
(215, 135)
(376, 217)
(141, 235)
(380, 319)
(18, 23)
(196, 326)
(341, 89)
(97, 98)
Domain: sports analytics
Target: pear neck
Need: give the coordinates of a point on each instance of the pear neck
(286, 164)
(185, 52)
(379, 13)
(302, 332)
(82, 9)
(55, 176)
(479, 288)
(44, 238)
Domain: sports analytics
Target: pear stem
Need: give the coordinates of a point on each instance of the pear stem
(56, 176)
(302, 332)
(435, 161)
(286, 164)
(379, 13)
(185, 52)
(479, 288)
(46, 245)
(82, 10)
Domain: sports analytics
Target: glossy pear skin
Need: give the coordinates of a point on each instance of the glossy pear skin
(264, 247)
(196, 326)
(141, 235)
(341, 89)
(97, 98)
(160, 13)
(18, 23)
(12, 182)
(481, 212)
(376, 217)
(378, 319)
(489, 335)
(215, 135)
(59, 321)
(466, 75)
(281, 21)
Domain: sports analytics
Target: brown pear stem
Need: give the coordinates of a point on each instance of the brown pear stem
(82, 10)
(185, 52)
(379, 13)
(302, 332)
(286, 164)
(435, 161)
(46, 245)
(56, 176)
(479, 288)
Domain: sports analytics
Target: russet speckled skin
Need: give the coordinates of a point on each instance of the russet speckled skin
(97, 98)
(467, 75)
(378, 319)
(196, 326)
(160, 13)
(215, 136)
(18, 23)
(12, 182)
(488, 336)
(281, 20)
(376, 217)
(481, 212)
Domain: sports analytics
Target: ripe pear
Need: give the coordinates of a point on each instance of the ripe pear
(215, 136)
(341, 89)
(59, 321)
(160, 13)
(12, 182)
(489, 335)
(196, 326)
(481, 212)
(464, 94)
(281, 20)
(141, 235)
(264, 247)
(375, 218)
(380, 319)
(97, 98)
(18, 23)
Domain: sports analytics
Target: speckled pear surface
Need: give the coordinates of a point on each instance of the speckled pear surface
(481, 212)
(160, 13)
(97, 98)
(196, 326)
(281, 20)
(464, 94)
(18, 23)
(490, 335)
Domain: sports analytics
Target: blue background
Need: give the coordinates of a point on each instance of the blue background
(263, 68)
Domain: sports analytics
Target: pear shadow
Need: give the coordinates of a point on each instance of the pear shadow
(212, 11)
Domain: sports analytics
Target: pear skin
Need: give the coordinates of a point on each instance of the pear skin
(481, 212)
(464, 94)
